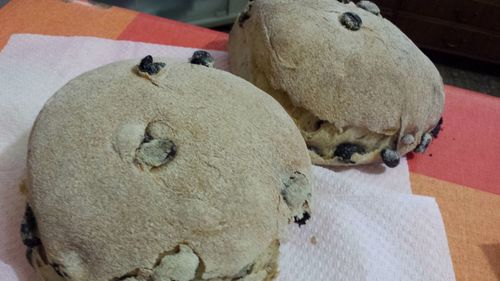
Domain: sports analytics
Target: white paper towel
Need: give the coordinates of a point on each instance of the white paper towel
(366, 225)
(363, 232)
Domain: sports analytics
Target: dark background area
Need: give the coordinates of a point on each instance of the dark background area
(3, 2)
(462, 37)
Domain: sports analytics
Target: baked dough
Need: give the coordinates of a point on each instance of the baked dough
(355, 85)
(163, 171)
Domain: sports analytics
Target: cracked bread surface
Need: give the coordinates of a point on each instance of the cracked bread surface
(369, 87)
(125, 169)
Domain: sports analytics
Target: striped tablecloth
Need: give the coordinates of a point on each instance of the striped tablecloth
(461, 168)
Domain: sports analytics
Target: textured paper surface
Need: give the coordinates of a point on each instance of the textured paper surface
(367, 225)
(361, 231)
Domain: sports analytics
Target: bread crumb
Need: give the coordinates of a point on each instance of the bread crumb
(314, 241)
(22, 187)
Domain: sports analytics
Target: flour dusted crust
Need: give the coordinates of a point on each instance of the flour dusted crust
(369, 87)
(187, 173)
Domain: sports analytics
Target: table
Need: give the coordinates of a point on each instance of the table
(461, 169)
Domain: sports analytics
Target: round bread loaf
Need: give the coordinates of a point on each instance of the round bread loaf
(358, 89)
(162, 172)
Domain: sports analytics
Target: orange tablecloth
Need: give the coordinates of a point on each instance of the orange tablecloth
(461, 169)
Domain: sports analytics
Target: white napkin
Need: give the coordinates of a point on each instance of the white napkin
(366, 225)
(363, 232)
